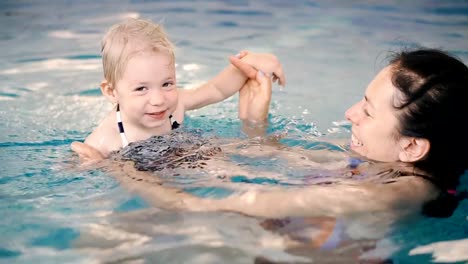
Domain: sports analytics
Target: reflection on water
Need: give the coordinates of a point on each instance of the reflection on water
(50, 74)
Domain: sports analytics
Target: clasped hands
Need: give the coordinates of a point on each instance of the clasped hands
(255, 95)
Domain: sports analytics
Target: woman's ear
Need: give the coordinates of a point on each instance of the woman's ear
(108, 91)
(413, 149)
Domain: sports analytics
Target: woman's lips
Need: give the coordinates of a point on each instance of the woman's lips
(355, 142)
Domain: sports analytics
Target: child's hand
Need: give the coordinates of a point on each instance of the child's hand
(86, 152)
(254, 98)
(268, 63)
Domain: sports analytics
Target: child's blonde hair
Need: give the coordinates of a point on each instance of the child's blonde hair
(128, 38)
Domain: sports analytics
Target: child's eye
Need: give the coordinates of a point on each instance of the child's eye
(168, 85)
(140, 89)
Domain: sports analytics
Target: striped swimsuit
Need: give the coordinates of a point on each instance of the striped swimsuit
(174, 125)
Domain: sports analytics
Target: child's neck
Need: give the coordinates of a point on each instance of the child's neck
(136, 133)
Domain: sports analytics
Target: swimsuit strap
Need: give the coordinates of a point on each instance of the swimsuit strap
(433, 180)
(121, 128)
(174, 125)
(336, 237)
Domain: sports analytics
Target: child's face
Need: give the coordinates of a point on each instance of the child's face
(147, 92)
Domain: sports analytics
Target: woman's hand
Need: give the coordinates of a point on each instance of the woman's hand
(254, 99)
(249, 63)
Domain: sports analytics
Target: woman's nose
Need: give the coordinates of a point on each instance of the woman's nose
(352, 113)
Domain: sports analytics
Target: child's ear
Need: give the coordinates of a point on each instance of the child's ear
(413, 149)
(108, 91)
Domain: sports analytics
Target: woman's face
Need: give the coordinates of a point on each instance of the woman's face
(374, 121)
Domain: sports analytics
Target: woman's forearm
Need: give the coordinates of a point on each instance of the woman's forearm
(407, 193)
(334, 201)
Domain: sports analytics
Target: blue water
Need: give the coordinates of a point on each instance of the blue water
(50, 69)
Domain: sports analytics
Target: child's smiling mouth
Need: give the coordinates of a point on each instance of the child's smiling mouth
(157, 115)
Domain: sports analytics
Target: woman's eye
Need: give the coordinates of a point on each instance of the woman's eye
(366, 112)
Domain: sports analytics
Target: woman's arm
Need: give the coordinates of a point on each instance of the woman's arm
(254, 104)
(406, 194)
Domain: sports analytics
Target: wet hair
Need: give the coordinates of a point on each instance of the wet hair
(432, 104)
(128, 38)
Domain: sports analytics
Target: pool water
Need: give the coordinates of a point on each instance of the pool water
(53, 212)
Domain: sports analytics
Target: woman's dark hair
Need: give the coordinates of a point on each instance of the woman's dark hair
(433, 104)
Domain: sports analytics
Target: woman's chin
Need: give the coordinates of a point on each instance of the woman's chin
(358, 150)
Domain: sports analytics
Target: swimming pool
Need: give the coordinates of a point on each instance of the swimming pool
(50, 71)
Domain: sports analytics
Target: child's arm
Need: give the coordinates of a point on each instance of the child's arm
(86, 152)
(260, 62)
(103, 140)
(229, 81)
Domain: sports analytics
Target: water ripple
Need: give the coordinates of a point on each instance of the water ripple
(177, 10)
(55, 142)
(74, 57)
(227, 24)
(239, 12)
(57, 64)
(88, 92)
(6, 253)
(449, 11)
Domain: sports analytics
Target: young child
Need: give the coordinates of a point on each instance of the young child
(140, 79)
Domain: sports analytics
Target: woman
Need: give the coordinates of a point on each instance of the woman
(409, 123)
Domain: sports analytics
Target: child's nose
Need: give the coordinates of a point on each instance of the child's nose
(157, 97)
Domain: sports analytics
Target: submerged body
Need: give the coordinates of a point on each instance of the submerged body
(366, 197)
(333, 187)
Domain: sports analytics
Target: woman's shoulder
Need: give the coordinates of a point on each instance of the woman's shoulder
(396, 179)
(413, 188)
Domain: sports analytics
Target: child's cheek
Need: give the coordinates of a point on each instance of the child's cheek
(174, 99)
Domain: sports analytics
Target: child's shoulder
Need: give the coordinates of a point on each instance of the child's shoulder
(105, 137)
(179, 112)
